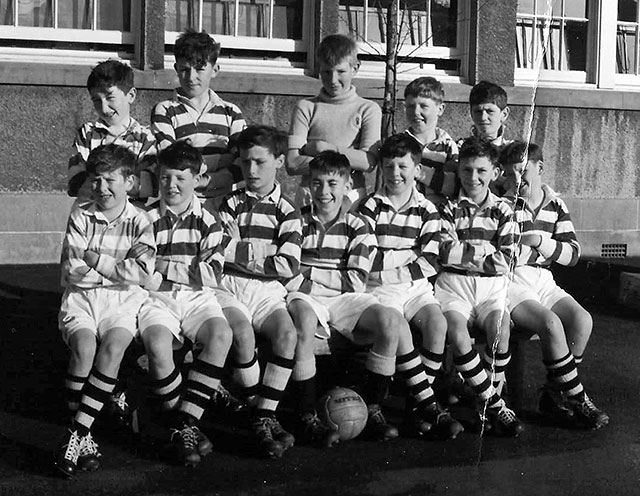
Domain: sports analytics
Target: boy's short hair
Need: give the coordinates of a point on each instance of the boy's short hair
(331, 162)
(399, 145)
(109, 158)
(111, 73)
(426, 87)
(475, 147)
(181, 155)
(335, 48)
(197, 48)
(516, 152)
(487, 92)
(268, 137)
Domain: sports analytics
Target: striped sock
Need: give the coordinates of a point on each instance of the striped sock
(564, 373)
(578, 359)
(201, 382)
(274, 381)
(95, 394)
(432, 363)
(247, 376)
(476, 376)
(498, 365)
(167, 390)
(73, 385)
(413, 371)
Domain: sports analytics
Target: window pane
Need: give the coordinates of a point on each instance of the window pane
(525, 6)
(444, 22)
(114, 15)
(628, 10)
(35, 13)
(524, 44)
(75, 14)
(219, 16)
(576, 43)
(253, 18)
(575, 8)
(6, 12)
(626, 50)
(180, 14)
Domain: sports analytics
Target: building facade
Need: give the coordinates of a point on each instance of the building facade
(570, 67)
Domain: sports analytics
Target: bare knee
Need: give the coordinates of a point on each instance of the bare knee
(83, 348)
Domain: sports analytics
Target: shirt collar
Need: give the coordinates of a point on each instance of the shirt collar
(132, 125)
(490, 201)
(497, 141)
(129, 212)
(273, 197)
(415, 200)
(194, 208)
(214, 99)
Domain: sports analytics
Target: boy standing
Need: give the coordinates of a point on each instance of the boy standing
(199, 115)
(407, 228)
(182, 302)
(108, 253)
(477, 250)
(263, 248)
(537, 303)
(337, 119)
(110, 85)
(424, 104)
(489, 111)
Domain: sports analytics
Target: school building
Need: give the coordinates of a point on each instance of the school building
(570, 67)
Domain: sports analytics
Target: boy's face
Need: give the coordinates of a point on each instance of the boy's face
(422, 113)
(177, 186)
(399, 174)
(527, 174)
(487, 118)
(112, 104)
(336, 79)
(109, 191)
(259, 168)
(327, 192)
(195, 79)
(476, 174)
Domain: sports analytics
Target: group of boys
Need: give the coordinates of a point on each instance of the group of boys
(212, 262)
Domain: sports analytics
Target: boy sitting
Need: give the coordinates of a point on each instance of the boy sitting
(424, 104)
(182, 304)
(110, 86)
(199, 115)
(477, 249)
(107, 255)
(407, 228)
(262, 249)
(537, 303)
(337, 119)
(337, 251)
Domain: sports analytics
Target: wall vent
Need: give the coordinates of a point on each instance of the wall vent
(614, 250)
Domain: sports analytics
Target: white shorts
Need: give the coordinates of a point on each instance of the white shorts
(99, 310)
(255, 298)
(407, 297)
(340, 313)
(181, 311)
(534, 283)
(475, 297)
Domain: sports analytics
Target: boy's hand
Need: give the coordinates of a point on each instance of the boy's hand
(137, 250)
(91, 258)
(233, 230)
(531, 239)
(313, 148)
(206, 256)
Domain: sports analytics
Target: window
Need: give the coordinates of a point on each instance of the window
(245, 28)
(553, 36)
(102, 26)
(627, 38)
(430, 34)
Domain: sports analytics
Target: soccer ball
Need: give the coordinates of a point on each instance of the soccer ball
(344, 410)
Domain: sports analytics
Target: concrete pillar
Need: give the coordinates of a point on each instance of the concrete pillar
(149, 49)
(492, 38)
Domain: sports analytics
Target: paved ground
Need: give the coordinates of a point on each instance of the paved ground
(544, 460)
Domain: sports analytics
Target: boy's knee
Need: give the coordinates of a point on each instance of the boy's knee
(216, 334)
(83, 347)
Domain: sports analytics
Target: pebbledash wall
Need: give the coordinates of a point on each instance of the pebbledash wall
(589, 137)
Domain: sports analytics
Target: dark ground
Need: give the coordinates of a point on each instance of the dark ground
(543, 460)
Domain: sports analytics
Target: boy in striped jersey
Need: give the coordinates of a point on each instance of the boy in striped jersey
(537, 303)
(262, 249)
(338, 249)
(112, 92)
(424, 104)
(197, 114)
(407, 228)
(477, 250)
(182, 304)
(107, 255)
